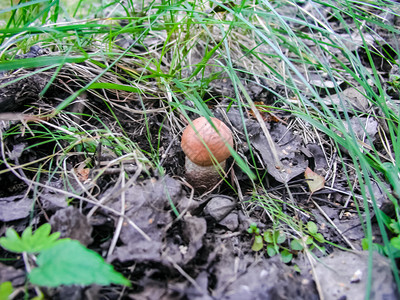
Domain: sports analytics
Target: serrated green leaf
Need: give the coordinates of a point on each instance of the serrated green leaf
(296, 245)
(271, 250)
(68, 263)
(286, 256)
(312, 227)
(6, 290)
(28, 242)
(258, 243)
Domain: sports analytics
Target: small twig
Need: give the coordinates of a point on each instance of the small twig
(314, 274)
(290, 196)
(164, 156)
(120, 222)
(182, 213)
(28, 270)
(113, 194)
(186, 275)
(344, 192)
(69, 194)
(333, 224)
(347, 201)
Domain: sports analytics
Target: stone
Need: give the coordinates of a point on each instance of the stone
(344, 275)
(231, 221)
(219, 208)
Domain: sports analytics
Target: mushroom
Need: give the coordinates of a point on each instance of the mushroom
(206, 152)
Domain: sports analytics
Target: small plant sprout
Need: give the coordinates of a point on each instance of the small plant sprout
(253, 229)
(206, 150)
(59, 261)
(258, 240)
(278, 242)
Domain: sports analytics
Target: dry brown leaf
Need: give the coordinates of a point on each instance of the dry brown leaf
(83, 173)
(315, 182)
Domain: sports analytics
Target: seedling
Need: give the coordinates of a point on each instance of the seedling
(59, 261)
(393, 248)
(277, 242)
(258, 240)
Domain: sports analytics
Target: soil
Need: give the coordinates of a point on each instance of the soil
(206, 252)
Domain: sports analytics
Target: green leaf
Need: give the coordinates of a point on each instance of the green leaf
(69, 263)
(253, 228)
(309, 240)
(280, 237)
(271, 250)
(385, 218)
(364, 244)
(395, 227)
(268, 237)
(6, 290)
(395, 242)
(392, 174)
(286, 256)
(322, 249)
(297, 269)
(390, 248)
(113, 86)
(319, 237)
(39, 61)
(28, 242)
(312, 227)
(296, 245)
(258, 243)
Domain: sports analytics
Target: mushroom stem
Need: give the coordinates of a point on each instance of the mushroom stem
(203, 178)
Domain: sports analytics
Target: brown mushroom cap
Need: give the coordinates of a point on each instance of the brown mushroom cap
(193, 144)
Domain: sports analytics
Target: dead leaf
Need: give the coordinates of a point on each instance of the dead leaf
(72, 224)
(287, 145)
(315, 182)
(82, 173)
(15, 207)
